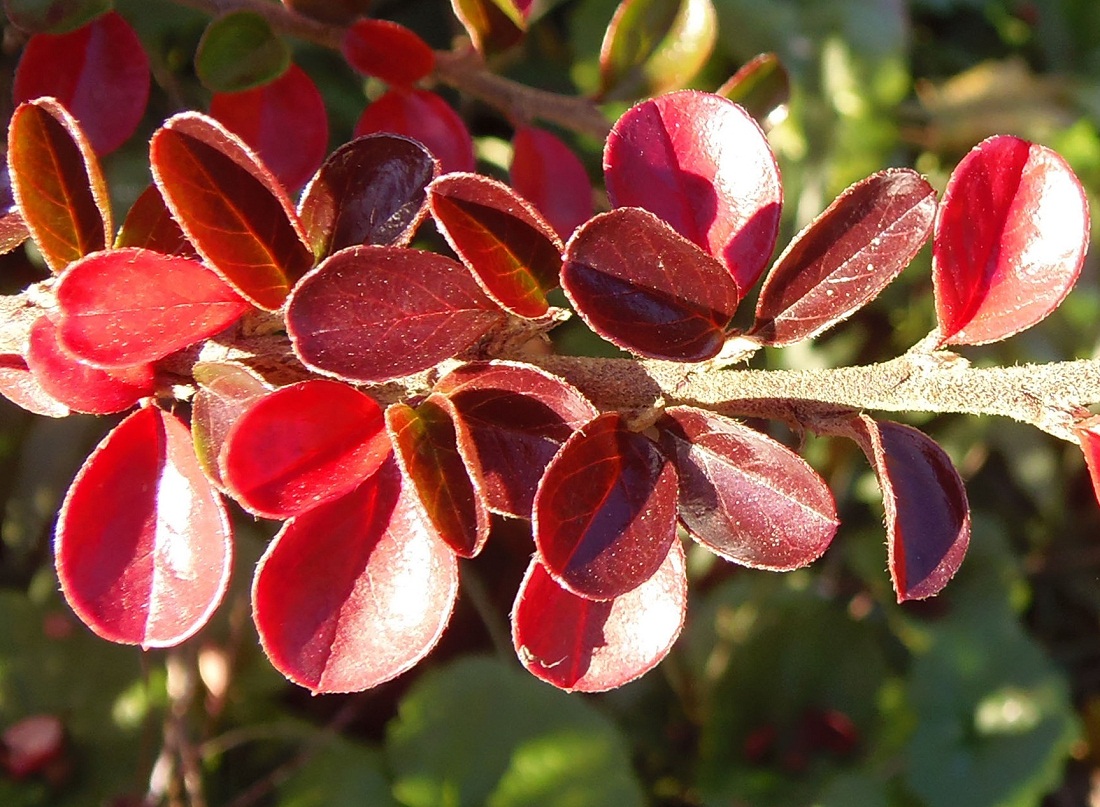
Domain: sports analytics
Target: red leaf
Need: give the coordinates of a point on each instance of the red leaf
(518, 417)
(32, 745)
(13, 229)
(18, 385)
(605, 510)
(434, 451)
(512, 251)
(131, 306)
(1088, 433)
(231, 208)
(263, 117)
(640, 285)
(57, 183)
(143, 544)
(702, 164)
(551, 176)
(354, 592)
(371, 314)
(99, 72)
(745, 496)
(846, 256)
(79, 386)
(583, 645)
(423, 116)
(388, 51)
(1009, 242)
(370, 191)
(927, 515)
(225, 390)
(303, 445)
(149, 225)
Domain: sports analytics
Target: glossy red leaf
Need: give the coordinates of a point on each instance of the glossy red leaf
(149, 225)
(262, 117)
(518, 417)
(303, 445)
(744, 495)
(545, 171)
(372, 314)
(640, 285)
(583, 645)
(231, 208)
(1009, 241)
(81, 387)
(762, 87)
(99, 72)
(356, 591)
(19, 385)
(845, 256)
(387, 50)
(1088, 434)
(131, 306)
(434, 451)
(702, 164)
(225, 390)
(514, 254)
(927, 515)
(423, 116)
(143, 544)
(492, 25)
(57, 183)
(605, 510)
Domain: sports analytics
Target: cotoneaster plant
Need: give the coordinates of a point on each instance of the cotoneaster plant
(306, 363)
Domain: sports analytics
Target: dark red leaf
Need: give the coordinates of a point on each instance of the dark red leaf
(927, 515)
(423, 116)
(1009, 241)
(745, 496)
(583, 645)
(762, 87)
(512, 251)
(372, 314)
(545, 171)
(57, 183)
(640, 285)
(702, 164)
(263, 118)
(518, 417)
(100, 73)
(356, 591)
(846, 256)
(149, 225)
(225, 390)
(387, 50)
(605, 511)
(131, 306)
(434, 451)
(303, 445)
(18, 385)
(231, 208)
(143, 544)
(492, 25)
(368, 192)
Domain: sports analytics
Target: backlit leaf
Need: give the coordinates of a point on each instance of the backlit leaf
(371, 314)
(129, 306)
(546, 172)
(702, 164)
(225, 390)
(642, 286)
(57, 183)
(354, 592)
(149, 225)
(143, 544)
(53, 16)
(605, 511)
(846, 256)
(744, 495)
(492, 25)
(18, 385)
(423, 116)
(512, 251)
(302, 445)
(13, 229)
(1009, 242)
(762, 87)
(585, 645)
(231, 208)
(239, 51)
(387, 50)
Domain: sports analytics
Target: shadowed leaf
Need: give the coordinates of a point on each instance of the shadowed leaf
(387, 50)
(552, 177)
(225, 390)
(149, 225)
(423, 116)
(239, 51)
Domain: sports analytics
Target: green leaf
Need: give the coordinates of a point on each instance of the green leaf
(239, 51)
(341, 774)
(54, 16)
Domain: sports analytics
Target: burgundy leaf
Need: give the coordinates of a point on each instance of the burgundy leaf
(143, 545)
(745, 496)
(702, 164)
(149, 225)
(1009, 242)
(387, 50)
(640, 285)
(605, 511)
(545, 171)
(368, 192)
(512, 251)
(846, 256)
(354, 592)
(371, 314)
(225, 390)
(19, 385)
(423, 116)
(302, 445)
(583, 645)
